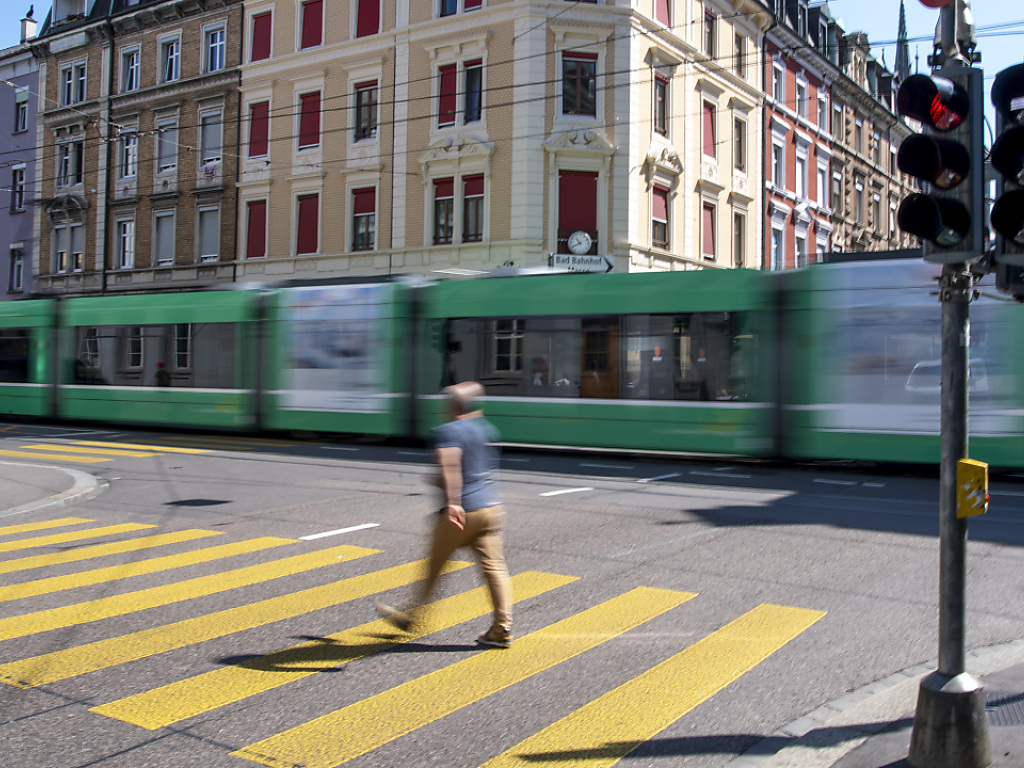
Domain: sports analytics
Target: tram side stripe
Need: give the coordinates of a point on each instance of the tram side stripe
(607, 729)
(64, 538)
(118, 605)
(137, 568)
(358, 728)
(8, 530)
(104, 550)
(187, 698)
(102, 654)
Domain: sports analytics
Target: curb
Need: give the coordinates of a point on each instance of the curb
(86, 486)
(821, 738)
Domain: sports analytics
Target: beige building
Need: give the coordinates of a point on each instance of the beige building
(136, 138)
(466, 135)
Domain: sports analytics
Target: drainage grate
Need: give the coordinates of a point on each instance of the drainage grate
(1004, 708)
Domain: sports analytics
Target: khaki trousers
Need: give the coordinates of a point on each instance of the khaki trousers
(483, 533)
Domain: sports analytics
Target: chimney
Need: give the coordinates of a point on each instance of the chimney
(28, 26)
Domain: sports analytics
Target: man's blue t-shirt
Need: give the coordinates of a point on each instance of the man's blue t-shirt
(476, 437)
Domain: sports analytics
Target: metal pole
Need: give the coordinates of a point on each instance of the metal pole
(950, 726)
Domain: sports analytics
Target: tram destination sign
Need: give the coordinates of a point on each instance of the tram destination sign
(572, 262)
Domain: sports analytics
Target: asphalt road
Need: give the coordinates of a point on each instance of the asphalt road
(213, 605)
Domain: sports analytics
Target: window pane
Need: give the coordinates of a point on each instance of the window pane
(209, 233)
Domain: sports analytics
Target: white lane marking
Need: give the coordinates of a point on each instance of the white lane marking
(338, 448)
(724, 469)
(413, 453)
(834, 482)
(1004, 493)
(873, 485)
(721, 474)
(340, 530)
(659, 477)
(506, 458)
(565, 490)
(607, 466)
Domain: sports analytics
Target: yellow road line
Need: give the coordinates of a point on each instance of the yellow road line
(187, 698)
(356, 729)
(136, 568)
(607, 729)
(79, 449)
(164, 448)
(42, 526)
(61, 665)
(51, 456)
(102, 550)
(118, 605)
(63, 538)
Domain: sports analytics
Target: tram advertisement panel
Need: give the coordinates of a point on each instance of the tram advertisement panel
(333, 357)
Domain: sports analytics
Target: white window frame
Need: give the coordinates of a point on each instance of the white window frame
(215, 38)
(778, 164)
(170, 58)
(779, 83)
(59, 236)
(800, 105)
(16, 276)
(216, 117)
(200, 212)
(801, 174)
(158, 255)
(18, 187)
(167, 136)
(131, 69)
(21, 111)
(125, 228)
(76, 258)
(128, 154)
(823, 112)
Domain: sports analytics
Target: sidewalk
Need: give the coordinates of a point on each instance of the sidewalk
(28, 487)
(870, 728)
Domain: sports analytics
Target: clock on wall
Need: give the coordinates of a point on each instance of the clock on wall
(580, 242)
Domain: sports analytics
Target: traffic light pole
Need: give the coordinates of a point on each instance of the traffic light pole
(950, 725)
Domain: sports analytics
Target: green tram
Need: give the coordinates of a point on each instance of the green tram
(676, 361)
(836, 361)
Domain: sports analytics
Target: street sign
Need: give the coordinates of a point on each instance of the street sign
(572, 262)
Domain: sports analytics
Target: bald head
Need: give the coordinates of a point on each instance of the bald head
(465, 397)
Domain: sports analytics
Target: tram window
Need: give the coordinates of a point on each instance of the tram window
(191, 354)
(14, 345)
(695, 356)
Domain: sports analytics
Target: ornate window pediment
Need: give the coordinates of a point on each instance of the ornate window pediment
(455, 151)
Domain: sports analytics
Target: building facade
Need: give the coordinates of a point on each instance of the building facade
(138, 143)
(18, 103)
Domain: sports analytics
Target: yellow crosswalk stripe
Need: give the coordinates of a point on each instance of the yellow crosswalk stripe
(136, 568)
(61, 665)
(139, 446)
(103, 550)
(356, 729)
(51, 456)
(118, 605)
(7, 530)
(79, 449)
(64, 538)
(187, 698)
(607, 729)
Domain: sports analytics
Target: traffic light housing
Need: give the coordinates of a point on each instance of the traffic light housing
(948, 159)
(1007, 156)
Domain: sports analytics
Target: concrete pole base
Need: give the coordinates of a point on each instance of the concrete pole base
(950, 726)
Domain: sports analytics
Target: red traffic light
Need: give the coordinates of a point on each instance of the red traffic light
(935, 101)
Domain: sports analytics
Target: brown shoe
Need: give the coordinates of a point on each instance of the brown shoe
(393, 616)
(496, 638)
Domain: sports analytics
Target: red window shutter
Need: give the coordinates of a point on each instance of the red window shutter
(309, 121)
(444, 188)
(709, 129)
(312, 24)
(708, 228)
(364, 201)
(471, 5)
(261, 30)
(308, 234)
(256, 230)
(259, 129)
(447, 100)
(473, 186)
(579, 56)
(577, 200)
(368, 21)
(661, 11)
(659, 204)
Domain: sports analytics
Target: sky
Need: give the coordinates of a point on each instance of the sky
(999, 48)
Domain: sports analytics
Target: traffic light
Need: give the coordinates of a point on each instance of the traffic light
(948, 215)
(1007, 156)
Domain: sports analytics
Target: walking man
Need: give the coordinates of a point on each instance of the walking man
(472, 515)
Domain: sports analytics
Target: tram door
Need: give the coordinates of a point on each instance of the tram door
(599, 366)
